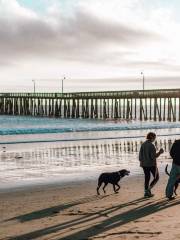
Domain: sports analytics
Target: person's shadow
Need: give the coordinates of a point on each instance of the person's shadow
(47, 212)
(105, 225)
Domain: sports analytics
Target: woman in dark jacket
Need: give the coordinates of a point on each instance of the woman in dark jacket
(147, 158)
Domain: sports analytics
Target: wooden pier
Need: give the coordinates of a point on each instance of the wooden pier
(161, 104)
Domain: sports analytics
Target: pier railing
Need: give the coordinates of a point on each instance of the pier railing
(101, 94)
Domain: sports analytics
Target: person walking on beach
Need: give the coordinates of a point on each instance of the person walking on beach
(147, 158)
(175, 170)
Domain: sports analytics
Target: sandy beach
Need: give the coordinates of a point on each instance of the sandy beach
(74, 211)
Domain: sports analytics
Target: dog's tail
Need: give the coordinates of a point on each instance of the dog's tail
(166, 170)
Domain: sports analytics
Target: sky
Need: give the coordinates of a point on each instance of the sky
(95, 44)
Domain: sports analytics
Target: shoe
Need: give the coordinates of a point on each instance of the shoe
(148, 194)
(171, 198)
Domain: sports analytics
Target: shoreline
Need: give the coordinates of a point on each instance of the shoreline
(36, 186)
(60, 183)
(53, 184)
(75, 212)
(80, 139)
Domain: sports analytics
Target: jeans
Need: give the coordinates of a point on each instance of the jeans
(147, 173)
(175, 172)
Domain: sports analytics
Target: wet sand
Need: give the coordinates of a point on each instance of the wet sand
(32, 164)
(74, 211)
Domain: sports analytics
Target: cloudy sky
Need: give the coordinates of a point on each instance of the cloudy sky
(95, 44)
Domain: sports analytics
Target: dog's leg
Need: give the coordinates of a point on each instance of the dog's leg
(114, 188)
(105, 184)
(97, 189)
(118, 187)
(175, 188)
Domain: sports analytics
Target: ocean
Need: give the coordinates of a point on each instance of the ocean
(37, 151)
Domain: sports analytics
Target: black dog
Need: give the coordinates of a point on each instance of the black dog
(176, 183)
(113, 178)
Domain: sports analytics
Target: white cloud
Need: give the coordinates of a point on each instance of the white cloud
(88, 38)
(77, 37)
(12, 10)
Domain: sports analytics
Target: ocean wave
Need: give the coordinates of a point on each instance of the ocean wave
(121, 127)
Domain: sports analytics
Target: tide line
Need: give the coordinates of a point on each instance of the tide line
(84, 139)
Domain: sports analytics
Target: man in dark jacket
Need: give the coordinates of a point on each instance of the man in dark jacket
(147, 158)
(175, 170)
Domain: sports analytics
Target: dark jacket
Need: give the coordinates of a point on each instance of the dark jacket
(175, 152)
(147, 154)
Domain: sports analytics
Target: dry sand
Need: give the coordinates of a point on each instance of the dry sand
(76, 212)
